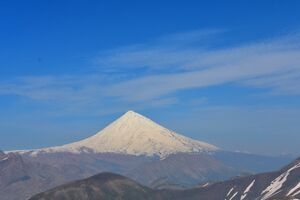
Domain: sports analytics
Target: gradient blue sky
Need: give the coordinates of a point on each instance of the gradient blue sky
(224, 72)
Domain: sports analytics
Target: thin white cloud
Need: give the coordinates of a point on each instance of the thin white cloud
(168, 65)
(58, 88)
(196, 68)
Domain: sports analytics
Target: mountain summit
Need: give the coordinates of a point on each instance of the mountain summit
(134, 134)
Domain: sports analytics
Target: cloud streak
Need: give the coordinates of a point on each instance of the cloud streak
(193, 68)
(152, 73)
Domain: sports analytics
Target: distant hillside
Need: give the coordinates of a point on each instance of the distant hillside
(283, 184)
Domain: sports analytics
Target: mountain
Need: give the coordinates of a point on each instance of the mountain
(132, 146)
(133, 134)
(102, 186)
(283, 184)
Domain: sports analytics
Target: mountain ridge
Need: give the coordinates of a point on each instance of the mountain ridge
(283, 184)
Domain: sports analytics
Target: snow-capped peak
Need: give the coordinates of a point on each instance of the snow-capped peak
(135, 134)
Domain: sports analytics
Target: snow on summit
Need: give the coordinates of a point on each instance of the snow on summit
(134, 134)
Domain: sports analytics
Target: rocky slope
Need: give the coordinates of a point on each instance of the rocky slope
(20, 178)
(103, 186)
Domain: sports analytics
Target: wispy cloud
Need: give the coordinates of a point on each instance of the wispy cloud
(151, 73)
(170, 52)
(55, 88)
(195, 67)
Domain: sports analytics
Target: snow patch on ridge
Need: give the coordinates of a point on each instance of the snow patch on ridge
(277, 183)
(3, 159)
(294, 189)
(247, 190)
(233, 195)
(229, 192)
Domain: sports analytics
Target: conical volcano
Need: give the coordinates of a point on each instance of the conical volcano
(135, 134)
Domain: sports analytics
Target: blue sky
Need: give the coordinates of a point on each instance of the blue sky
(224, 72)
